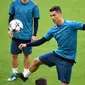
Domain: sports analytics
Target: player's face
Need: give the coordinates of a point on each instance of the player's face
(55, 16)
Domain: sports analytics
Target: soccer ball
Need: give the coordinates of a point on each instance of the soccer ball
(15, 26)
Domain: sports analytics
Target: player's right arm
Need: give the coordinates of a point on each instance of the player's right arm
(35, 43)
(10, 34)
(11, 17)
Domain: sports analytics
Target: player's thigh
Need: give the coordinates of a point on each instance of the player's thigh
(64, 70)
(27, 50)
(14, 47)
(48, 59)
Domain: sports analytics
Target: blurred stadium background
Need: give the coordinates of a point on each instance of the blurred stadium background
(72, 10)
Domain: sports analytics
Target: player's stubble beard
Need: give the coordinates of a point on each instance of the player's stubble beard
(59, 22)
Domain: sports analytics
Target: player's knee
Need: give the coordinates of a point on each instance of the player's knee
(15, 56)
(36, 61)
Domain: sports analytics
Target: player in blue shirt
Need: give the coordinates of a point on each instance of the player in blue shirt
(65, 33)
(27, 12)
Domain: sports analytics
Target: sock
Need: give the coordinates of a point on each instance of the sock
(25, 70)
(26, 73)
(14, 70)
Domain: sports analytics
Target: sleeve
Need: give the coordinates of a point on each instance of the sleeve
(35, 26)
(84, 27)
(48, 35)
(11, 10)
(11, 17)
(36, 13)
(77, 25)
(37, 42)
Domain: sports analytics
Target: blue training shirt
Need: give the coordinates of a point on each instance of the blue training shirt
(66, 37)
(25, 13)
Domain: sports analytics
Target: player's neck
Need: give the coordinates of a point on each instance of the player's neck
(60, 23)
(25, 1)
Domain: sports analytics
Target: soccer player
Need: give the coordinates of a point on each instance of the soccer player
(65, 33)
(28, 13)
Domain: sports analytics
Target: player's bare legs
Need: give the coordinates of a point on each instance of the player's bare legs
(35, 65)
(26, 61)
(15, 61)
(14, 68)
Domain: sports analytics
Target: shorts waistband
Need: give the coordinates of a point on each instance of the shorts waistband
(67, 60)
(20, 40)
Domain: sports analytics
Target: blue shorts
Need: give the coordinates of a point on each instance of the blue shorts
(14, 47)
(63, 67)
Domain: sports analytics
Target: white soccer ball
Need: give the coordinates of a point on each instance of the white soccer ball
(15, 26)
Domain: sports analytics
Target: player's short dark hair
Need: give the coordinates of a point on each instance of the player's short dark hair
(56, 8)
(41, 81)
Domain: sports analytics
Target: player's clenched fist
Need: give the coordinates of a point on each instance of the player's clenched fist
(21, 46)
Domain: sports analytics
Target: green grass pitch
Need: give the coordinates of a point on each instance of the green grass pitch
(72, 10)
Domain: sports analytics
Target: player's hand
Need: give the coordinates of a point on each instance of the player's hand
(22, 46)
(33, 38)
(10, 34)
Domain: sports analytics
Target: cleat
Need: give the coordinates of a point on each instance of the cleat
(12, 78)
(20, 75)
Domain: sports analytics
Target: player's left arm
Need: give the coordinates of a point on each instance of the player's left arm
(36, 22)
(78, 25)
(36, 16)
